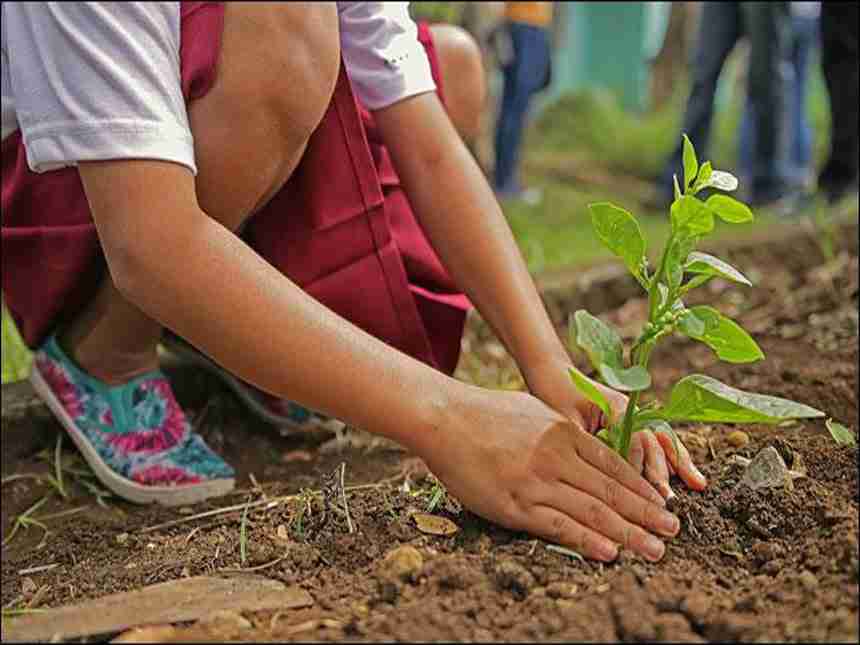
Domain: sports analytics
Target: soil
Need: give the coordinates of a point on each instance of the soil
(773, 564)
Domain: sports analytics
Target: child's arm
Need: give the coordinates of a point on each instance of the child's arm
(462, 218)
(505, 455)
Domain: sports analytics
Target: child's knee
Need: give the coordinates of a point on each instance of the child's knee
(277, 70)
(463, 79)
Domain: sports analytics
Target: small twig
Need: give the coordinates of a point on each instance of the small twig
(532, 550)
(349, 524)
(39, 569)
(54, 516)
(12, 478)
(243, 536)
(564, 551)
(58, 466)
(191, 534)
(259, 567)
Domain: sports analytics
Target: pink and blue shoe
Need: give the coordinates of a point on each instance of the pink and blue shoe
(135, 436)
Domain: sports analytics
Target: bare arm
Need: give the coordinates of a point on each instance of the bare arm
(505, 455)
(463, 220)
(195, 276)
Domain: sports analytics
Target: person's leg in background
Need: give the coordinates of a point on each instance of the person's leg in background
(799, 163)
(524, 76)
(806, 29)
(839, 63)
(768, 25)
(719, 29)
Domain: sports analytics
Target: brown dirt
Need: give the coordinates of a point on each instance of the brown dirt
(770, 565)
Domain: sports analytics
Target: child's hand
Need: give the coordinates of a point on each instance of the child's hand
(653, 453)
(513, 460)
(551, 383)
(649, 452)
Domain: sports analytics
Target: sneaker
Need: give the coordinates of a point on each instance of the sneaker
(288, 417)
(135, 436)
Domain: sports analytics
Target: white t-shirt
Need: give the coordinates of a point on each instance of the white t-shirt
(90, 81)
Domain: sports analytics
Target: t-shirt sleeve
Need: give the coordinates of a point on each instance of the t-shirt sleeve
(97, 81)
(383, 57)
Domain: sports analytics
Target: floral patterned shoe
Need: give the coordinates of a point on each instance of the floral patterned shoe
(134, 436)
(288, 417)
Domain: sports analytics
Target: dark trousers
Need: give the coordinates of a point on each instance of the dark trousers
(525, 74)
(839, 63)
(722, 24)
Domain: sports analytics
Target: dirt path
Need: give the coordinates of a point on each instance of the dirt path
(768, 565)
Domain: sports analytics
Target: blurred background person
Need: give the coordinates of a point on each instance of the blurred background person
(721, 25)
(805, 39)
(839, 64)
(522, 45)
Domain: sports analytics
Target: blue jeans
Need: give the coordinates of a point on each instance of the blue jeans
(722, 24)
(525, 75)
(798, 167)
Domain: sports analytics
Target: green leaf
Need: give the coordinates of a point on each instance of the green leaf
(620, 233)
(690, 216)
(703, 177)
(729, 209)
(728, 339)
(702, 398)
(691, 325)
(598, 340)
(703, 263)
(841, 435)
(632, 379)
(691, 164)
(676, 258)
(586, 387)
(677, 188)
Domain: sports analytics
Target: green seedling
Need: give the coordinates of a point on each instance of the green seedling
(679, 270)
(841, 435)
(25, 520)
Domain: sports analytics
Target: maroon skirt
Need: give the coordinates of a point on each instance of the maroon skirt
(341, 227)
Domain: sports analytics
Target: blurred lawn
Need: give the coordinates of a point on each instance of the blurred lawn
(583, 148)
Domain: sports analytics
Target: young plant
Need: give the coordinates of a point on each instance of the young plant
(679, 270)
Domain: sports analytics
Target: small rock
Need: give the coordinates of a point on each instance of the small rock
(561, 590)
(512, 576)
(738, 438)
(808, 580)
(434, 524)
(227, 618)
(766, 470)
(122, 538)
(404, 562)
(148, 634)
(772, 567)
(766, 551)
(282, 533)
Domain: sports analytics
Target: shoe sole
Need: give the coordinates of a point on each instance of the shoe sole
(179, 495)
(286, 427)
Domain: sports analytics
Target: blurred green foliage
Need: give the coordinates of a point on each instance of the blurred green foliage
(450, 12)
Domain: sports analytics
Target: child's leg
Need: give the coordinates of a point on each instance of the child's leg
(250, 131)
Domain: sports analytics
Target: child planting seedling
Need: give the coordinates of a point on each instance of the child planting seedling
(695, 397)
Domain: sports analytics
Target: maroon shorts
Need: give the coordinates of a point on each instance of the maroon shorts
(341, 228)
